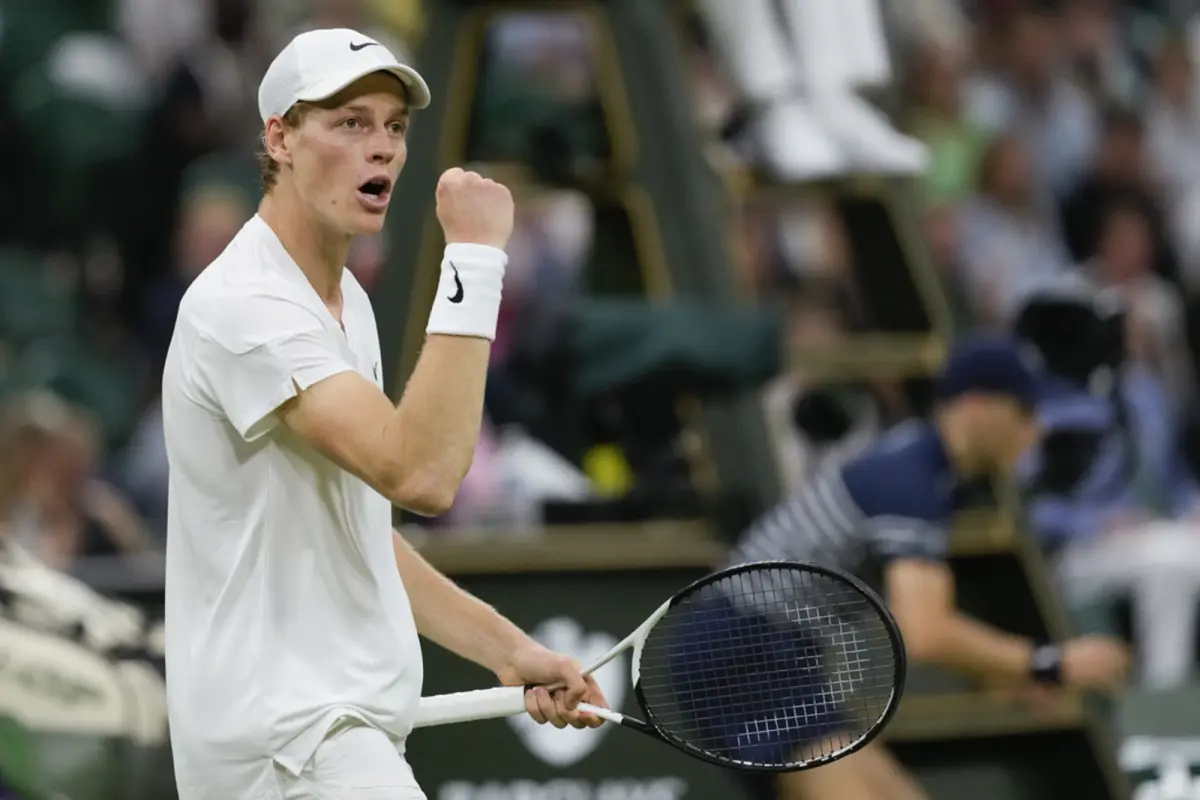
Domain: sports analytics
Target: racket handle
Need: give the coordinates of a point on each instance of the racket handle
(606, 714)
(503, 701)
(446, 709)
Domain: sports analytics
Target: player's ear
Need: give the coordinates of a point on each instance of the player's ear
(275, 140)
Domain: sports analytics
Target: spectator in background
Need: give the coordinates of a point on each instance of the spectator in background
(65, 512)
(1173, 120)
(206, 103)
(1101, 62)
(141, 469)
(1124, 265)
(918, 25)
(939, 222)
(1108, 494)
(1173, 132)
(1130, 528)
(159, 30)
(1118, 174)
(955, 143)
(210, 217)
(1032, 94)
(548, 251)
(26, 425)
(1007, 234)
(796, 250)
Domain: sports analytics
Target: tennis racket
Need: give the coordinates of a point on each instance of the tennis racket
(768, 667)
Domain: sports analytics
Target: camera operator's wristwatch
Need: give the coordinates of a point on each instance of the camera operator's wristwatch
(1045, 664)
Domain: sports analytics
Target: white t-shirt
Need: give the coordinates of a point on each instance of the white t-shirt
(284, 608)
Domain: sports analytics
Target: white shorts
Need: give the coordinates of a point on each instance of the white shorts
(354, 762)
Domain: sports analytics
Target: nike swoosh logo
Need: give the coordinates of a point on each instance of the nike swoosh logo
(360, 46)
(457, 297)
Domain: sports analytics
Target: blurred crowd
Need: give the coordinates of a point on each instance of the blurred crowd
(1055, 151)
(1057, 198)
(131, 130)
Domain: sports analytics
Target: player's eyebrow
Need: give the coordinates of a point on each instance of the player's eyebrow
(358, 108)
(362, 109)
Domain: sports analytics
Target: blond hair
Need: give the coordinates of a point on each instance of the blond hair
(268, 168)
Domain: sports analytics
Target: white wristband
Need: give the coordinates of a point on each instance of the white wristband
(468, 294)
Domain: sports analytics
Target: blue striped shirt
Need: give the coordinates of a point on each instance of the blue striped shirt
(1136, 472)
(895, 500)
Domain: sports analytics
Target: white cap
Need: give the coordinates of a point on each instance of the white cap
(319, 64)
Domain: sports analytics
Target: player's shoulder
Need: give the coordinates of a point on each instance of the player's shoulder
(241, 313)
(906, 473)
(244, 299)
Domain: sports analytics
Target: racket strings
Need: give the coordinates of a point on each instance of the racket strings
(774, 667)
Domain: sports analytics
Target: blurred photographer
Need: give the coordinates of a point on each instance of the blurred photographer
(1108, 495)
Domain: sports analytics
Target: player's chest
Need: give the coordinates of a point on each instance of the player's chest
(358, 343)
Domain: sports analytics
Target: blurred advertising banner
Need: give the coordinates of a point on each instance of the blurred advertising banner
(584, 615)
(1160, 749)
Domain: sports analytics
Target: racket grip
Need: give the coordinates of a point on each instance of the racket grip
(446, 709)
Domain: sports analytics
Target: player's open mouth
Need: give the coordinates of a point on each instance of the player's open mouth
(375, 193)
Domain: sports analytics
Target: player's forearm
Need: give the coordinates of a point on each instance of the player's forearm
(435, 428)
(967, 645)
(453, 618)
(921, 596)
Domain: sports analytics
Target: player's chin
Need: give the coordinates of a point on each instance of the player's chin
(366, 223)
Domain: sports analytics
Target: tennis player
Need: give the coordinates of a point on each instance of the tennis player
(891, 507)
(292, 608)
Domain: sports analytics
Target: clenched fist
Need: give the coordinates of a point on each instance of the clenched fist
(473, 209)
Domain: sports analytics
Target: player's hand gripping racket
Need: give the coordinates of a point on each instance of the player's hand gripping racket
(770, 666)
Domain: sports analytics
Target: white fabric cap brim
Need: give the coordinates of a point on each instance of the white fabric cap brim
(417, 89)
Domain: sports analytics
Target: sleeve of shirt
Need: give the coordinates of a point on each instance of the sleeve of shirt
(907, 515)
(910, 537)
(256, 355)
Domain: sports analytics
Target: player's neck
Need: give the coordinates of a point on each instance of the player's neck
(317, 249)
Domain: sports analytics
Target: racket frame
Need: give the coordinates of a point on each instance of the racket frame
(900, 669)
(509, 701)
